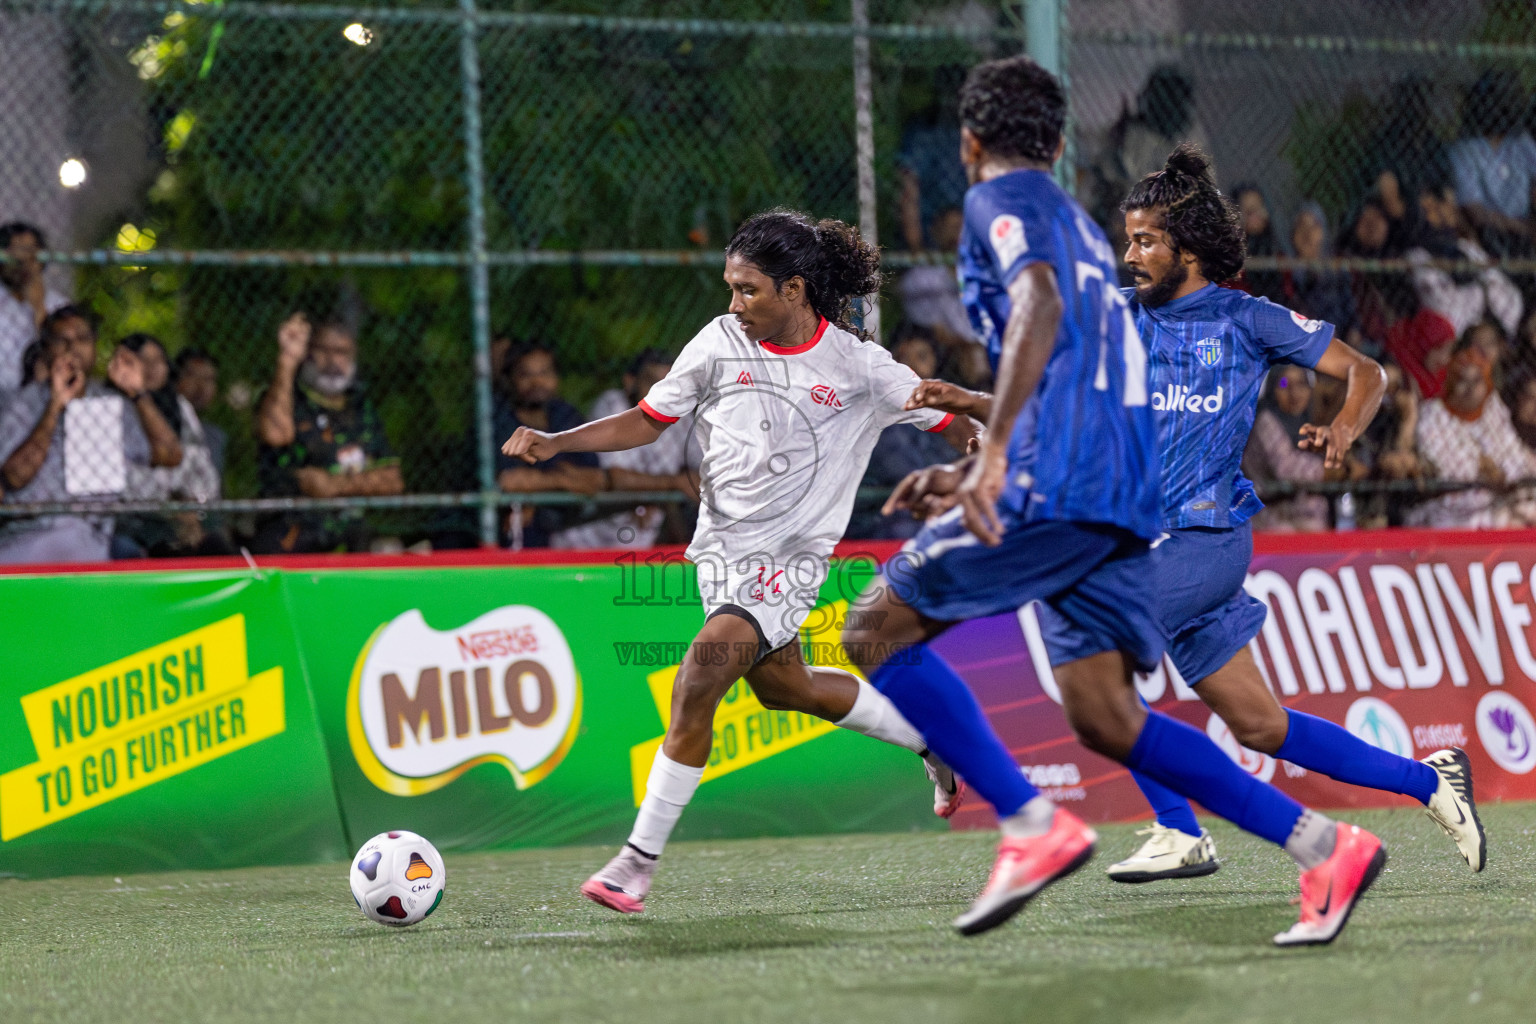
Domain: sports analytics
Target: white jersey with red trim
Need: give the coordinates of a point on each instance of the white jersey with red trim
(786, 434)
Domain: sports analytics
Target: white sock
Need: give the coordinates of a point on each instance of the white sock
(1312, 839)
(1033, 819)
(874, 715)
(667, 792)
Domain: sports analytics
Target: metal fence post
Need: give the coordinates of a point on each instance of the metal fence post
(479, 273)
(864, 144)
(1044, 40)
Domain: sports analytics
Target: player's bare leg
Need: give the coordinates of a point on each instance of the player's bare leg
(709, 669)
(784, 682)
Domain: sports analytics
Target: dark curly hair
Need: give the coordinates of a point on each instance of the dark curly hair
(1015, 108)
(835, 263)
(1197, 217)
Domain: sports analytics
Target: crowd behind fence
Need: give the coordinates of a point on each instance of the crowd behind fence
(283, 276)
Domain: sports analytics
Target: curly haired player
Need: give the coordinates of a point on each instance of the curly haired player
(788, 402)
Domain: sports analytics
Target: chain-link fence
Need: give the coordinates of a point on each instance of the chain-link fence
(435, 186)
(442, 187)
(1381, 153)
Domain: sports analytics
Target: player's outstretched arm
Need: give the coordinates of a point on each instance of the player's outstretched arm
(1365, 384)
(1028, 341)
(941, 394)
(619, 432)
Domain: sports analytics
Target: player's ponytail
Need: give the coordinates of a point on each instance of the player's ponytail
(835, 263)
(1197, 217)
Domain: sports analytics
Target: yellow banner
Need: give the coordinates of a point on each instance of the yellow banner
(121, 698)
(137, 721)
(745, 731)
(181, 738)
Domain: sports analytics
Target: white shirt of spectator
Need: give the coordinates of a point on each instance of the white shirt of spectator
(94, 461)
(1454, 447)
(785, 432)
(18, 329)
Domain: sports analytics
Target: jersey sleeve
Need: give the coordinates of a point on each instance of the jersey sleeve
(1008, 235)
(685, 385)
(891, 384)
(1285, 336)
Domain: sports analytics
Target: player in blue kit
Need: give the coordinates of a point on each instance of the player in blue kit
(1060, 505)
(1210, 350)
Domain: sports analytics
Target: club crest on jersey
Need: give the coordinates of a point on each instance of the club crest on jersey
(821, 394)
(745, 378)
(1007, 237)
(1310, 326)
(1208, 351)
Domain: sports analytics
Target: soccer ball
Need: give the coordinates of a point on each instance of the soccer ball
(398, 878)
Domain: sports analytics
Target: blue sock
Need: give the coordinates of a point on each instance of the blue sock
(1186, 760)
(1172, 810)
(1318, 745)
(931, 696)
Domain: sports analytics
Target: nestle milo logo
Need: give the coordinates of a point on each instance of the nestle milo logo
(426, 705)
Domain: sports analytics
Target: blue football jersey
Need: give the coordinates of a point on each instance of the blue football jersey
(1210, 352)
(1084, 448)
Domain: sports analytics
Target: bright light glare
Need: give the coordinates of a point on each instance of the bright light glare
(72, 173)
(358, 33)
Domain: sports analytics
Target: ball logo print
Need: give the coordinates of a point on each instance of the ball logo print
(1379, 724)
(1507, 732)
(426, 705)
(1260, 766)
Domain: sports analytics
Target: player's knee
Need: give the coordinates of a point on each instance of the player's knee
(1260, 729)
(695, 695)
(1103, 726)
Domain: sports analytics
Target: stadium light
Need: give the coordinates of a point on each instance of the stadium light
(358, 33)
(72, 173)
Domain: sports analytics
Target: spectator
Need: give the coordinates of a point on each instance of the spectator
(25, 299)
(1273, 455)
(195, 479)
(1522, 406)
(1139, 141)
(930, 294)
(668, 463)
(1406, 146)
(197, 380)
(1259, 231)
(1389, 448)
(1494, 165)
(1422, 345)
(1317, 294)
(932, 178)
(320, 437)
(900, 449)
(1467, 436)
(76, 439)
(1462, 298)
(533, 390)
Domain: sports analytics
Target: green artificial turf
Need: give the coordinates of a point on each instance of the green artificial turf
(845, 929)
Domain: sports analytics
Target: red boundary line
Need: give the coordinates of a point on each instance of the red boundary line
(1264, 544)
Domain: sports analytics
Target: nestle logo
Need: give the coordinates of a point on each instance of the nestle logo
(821, 394)
(497, 643)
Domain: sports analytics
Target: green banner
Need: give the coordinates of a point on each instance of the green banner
(152, 721)
(522, 707)
(213, 719)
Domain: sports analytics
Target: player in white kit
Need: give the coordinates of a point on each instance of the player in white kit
(788, 402)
